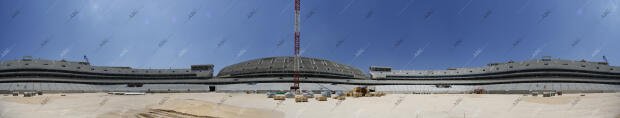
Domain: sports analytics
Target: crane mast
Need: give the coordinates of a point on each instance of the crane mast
(296, 75)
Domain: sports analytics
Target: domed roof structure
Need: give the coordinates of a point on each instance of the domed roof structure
(284, 66)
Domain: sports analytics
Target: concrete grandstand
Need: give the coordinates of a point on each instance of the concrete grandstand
(275, 73)
(283, 66)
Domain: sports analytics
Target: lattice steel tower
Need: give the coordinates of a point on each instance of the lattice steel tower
(297, 61)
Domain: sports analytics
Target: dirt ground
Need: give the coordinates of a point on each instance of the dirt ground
(241, 105)
(210, 109)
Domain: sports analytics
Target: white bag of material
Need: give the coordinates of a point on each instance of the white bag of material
(309, 95)
(270, 94)
(339, 93)
(289, 95)
(326, 94)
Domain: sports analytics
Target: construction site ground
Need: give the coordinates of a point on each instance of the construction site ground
(242, 105)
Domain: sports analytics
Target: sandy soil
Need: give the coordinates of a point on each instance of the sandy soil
(550, 100)
(210, 109)
(28, 100)
(92, 105)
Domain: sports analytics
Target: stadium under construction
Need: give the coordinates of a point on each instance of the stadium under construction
(276, 74)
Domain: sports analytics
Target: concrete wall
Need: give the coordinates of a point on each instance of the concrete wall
(517, 88)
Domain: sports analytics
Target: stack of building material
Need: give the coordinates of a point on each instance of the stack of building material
(39, 92)
(15, 93)
(301, 99)
(279, 97)
(354, 94)
(321, 98)
(339, 97)
(362, 90)
(534, 94)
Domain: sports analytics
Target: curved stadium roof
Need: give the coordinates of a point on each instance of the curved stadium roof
(284, 66)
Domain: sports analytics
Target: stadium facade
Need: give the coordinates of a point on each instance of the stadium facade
(275, 73)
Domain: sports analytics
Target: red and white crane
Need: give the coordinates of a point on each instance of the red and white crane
(296, 74)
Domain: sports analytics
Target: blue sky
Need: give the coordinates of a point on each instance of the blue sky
(404, 34)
